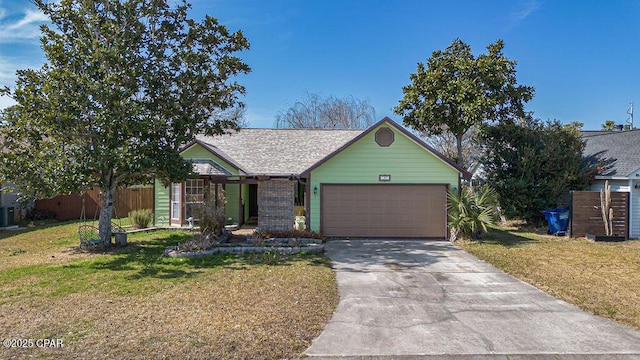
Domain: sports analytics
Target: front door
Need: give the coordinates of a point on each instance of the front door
(253, 200)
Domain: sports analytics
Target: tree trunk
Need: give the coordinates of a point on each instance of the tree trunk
(106, 211)
(459, 161)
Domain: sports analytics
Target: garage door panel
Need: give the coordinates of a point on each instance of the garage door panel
(392, 210)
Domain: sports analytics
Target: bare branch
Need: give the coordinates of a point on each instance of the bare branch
(315, 112)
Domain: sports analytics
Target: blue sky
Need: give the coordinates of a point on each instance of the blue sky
(582, 57)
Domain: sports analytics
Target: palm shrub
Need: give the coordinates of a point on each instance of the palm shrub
(471, 211)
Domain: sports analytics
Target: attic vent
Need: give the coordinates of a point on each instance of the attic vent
(384, 136)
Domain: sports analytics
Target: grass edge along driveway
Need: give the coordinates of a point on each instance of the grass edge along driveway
(601, 278)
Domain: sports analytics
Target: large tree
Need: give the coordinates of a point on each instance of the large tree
(126, 83)
(456, 91)
(446, 144)
(316, 112)
(531, 164)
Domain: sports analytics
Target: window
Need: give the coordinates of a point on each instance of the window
(193, 196)
(384, 137)
(175, 201)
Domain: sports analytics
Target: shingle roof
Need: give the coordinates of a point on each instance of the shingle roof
(277, 151)
(617, 151)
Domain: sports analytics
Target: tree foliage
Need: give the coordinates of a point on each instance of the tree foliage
(574, 127)
(456, 91)
(532, 163)
(127, 82)
(331, 112)
(609, 125)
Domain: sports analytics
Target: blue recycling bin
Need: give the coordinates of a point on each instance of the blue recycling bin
(558, 220)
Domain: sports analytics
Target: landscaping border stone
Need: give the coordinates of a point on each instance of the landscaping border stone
(283, 246)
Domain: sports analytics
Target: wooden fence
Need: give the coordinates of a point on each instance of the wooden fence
(69, 207)
(586, 216)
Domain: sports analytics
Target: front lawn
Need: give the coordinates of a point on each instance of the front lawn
(602, 278)
(133, 303)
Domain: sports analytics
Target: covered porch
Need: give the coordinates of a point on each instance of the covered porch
(269, 202)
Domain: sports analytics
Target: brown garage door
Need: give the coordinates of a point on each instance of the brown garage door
(384, 210)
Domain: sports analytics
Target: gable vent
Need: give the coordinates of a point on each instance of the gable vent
(384, 136)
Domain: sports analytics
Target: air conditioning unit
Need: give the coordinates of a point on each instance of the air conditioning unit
(7, 214)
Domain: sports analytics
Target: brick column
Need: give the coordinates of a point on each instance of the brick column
(275, 204)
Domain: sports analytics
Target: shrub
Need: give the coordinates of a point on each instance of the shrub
(532, 163)
(271, 257)
(211, 218)
(141, 219)
(471, 211)
(200, 242)
(40, 214)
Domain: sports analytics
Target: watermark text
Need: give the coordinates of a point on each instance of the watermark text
(32, 343)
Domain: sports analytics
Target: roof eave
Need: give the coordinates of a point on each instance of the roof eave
(207, 147)
(274, 175)
(611, 177)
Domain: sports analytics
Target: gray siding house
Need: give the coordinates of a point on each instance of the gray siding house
(618, 155)
(8, 206)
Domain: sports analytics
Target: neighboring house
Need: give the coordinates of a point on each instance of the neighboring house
(382, 181)
(618, 155)
(8, 206)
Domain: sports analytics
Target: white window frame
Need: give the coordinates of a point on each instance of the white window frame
(194, 194)
(176, 191)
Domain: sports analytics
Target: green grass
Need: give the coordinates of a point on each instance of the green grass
(135, 303)
(602, 278)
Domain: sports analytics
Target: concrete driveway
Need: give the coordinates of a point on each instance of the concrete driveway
(410, 298)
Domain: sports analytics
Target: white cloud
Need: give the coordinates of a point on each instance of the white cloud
(23, 29)
(30, 17)
(524, 10)
(19, 31)
(7, 71)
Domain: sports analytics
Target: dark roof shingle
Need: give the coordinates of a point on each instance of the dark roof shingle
(617, 151)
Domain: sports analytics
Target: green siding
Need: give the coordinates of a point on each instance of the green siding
(231, 208)
(363, 161)
(161, 201)
(232, 191)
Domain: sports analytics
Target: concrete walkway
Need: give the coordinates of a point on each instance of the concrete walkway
(402, 299)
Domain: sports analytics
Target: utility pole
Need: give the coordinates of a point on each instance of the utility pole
(630, 112)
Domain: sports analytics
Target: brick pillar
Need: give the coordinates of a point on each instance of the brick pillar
(275, 204)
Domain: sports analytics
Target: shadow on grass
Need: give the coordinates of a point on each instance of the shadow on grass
(506, 237)
(145, 259)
